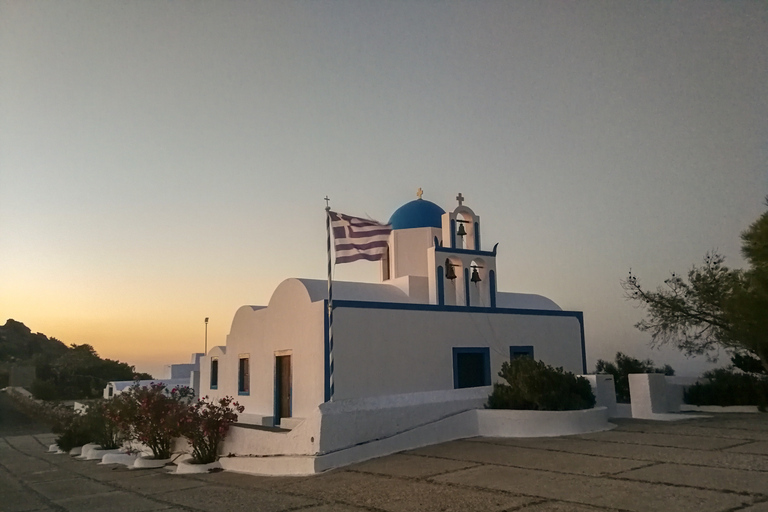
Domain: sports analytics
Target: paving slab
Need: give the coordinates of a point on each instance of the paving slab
(244, 480)
(636, 452)
(491, 453)
(704, 477)
(758, 507)
(335, 508)
(108, 473)
(149, 484)
(561, 506)
(411, 466)
(759, 447)
(605, 492)
(215, 498)
(697, 430)
(26, 444)
(22, 501)
(667, 439)
(47, 475)
(401, 495)
(115, 501)
(72, 487)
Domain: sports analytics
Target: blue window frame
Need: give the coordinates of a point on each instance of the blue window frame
(214, 373)
(244, 376)
(516, 351)
(471, 367)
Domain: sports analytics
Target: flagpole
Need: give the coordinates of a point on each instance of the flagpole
(330, 297)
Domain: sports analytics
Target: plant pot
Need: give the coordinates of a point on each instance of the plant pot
(185, 467)
(86, 450)
(126, 459)
(98, 454)
(148, 462)
(77, 450)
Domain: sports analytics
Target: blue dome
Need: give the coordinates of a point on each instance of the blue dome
(417, 214)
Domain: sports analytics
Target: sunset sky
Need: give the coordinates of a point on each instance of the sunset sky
(162, 162)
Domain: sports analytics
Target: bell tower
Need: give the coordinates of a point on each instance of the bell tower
(461, 273)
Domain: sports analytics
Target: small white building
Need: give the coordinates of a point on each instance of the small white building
(174, 375)
(404, 349)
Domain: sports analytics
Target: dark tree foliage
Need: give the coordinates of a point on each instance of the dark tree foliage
(714, 307)
(62, 372)
(534, 385)
(622, 367)
(725, 387)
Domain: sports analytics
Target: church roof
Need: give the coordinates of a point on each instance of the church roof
(418, 213)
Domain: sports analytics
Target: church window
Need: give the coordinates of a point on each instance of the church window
(471, 367)
(517, 351)
(214, 373)
(244, 376)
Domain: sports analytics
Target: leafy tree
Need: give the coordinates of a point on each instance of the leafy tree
(622, 367)
(715, 307)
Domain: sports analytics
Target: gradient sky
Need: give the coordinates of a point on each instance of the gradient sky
(163, 162)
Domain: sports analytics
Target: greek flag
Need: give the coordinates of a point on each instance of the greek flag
(358, 239)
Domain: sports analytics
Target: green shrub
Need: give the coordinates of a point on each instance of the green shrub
(728, 387)
(622, 367)
(76, 433)
(534, 385)
(44, 390)
(104, 429)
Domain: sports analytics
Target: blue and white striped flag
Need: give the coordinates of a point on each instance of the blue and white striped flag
(358, 239)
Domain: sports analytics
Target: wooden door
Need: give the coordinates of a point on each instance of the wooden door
(283, 383)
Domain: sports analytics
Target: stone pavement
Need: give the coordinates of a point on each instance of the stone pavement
(707, 464)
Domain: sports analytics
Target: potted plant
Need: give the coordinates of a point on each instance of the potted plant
(206, 425)
(156, 416)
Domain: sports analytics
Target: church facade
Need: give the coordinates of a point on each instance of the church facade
(425, 342)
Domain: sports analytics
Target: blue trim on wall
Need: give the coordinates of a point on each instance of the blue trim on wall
(440, 286)
(466, 286)
(456, 250)
(360, 304)
(477, 236)
(486, 351)
(327, 364)
(492, 287)
(275, 419)
(453, 233)
(580, 317)
(527, 349)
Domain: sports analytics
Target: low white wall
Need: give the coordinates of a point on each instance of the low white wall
(350, 422)
(604, 389)
(649, 394)
(505, 423)
(350, 431)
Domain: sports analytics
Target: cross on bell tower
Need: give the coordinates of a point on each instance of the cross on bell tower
(460, 199)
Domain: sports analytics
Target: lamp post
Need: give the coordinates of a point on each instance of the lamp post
(206, 335)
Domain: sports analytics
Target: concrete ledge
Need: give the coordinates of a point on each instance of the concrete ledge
(472, 423)
(508, 423)
(719, 409)
(289, 465)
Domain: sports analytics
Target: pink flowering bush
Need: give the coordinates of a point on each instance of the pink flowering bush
(154, 415)
(205, 425)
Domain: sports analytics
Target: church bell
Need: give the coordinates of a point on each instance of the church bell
(461, 231)
(475, 276)
(449, 272)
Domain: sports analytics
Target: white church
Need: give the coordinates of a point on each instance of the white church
(412, 355)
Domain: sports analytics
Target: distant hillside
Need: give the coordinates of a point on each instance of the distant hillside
(61, 372)
(17, 343)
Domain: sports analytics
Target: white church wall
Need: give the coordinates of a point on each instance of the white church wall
(416, 287)
(392, 350)
(409, 248)
(291, 325)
